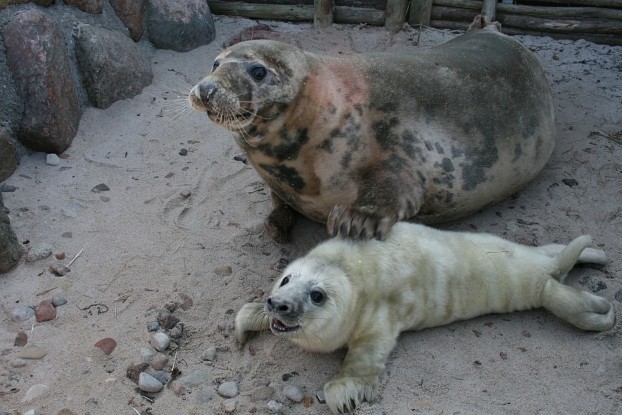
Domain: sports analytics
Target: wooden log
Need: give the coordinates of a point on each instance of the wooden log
(454, 14)
(615, 4)
(293, 13)
(587, 25)
(489, 9)
(355, 15)
(539, 11)
(396, 14)
(323, 16)
(420, 12)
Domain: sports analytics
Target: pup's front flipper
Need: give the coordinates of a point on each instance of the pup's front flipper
(249, 319)
(358, 378)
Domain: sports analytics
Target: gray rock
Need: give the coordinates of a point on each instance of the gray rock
(8, 155)
(148, 383)
(159, 361)
(209, 354)
(38, 251)
(35, 391)
(147, 353)
(21, 313)
(160, 341)
(10, 249)
(58, 300)
(161, 375)
(275, 407)
(293, 393)
(111, 64)
(180, 26)
(130, 12)
(32, 351)
(320, 396)
(17, 362)
(52, 160)
(177, 331)
(618, 296)
(228, 389)
(153, 326)
(228, 406)
(87, 6)
(38, 60)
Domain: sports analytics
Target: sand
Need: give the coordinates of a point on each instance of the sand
(170, 227)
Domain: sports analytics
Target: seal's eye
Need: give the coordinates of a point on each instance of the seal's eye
(216, 65)
(284, 281)
(258, 72)
(317, 296)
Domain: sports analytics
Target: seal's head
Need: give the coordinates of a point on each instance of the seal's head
(311, 304)
(250, 82)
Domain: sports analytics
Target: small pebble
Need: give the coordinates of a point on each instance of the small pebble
(183, 152)
(170, 306)
(52, 160)
(223, 271)
(31, 351)
(110, 366)
(100, 188)
(229, 406)
(45, 311)
(35, 391)
(320, 396)
(167, 320)
(67, 235)
(58, 300)
(209, 354)
(618, 296)
(147, 353)
(185, 194)
(160, 341)
(159, 361)
(59, 270)
(59, 255)
(7, 188)
(153, 326)
(107, 345)
(177, 331)
(17, 362)
(593, 284)
(275, 407)
(38, 251)
(240, 158)
(570, 182)
(228, 389)
(22, 313)
(148, 383)
(21, 339)
(134, 371)
(161, 375)
(293, 393)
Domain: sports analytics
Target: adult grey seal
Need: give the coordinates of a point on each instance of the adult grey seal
(359, 142)
(362, 294)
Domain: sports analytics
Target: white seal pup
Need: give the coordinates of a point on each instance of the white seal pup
(362, 294)
(359, 142)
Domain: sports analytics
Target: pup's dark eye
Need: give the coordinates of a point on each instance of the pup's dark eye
(216, 65)
(317, 296)
(258, 72)
(284, 281)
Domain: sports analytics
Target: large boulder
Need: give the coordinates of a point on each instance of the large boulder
(180, 25)
(10, 250)
(111, 64)
(37, 58)
(130, 12)
(8, 156)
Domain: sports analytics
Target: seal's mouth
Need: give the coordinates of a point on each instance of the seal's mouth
(278, 327)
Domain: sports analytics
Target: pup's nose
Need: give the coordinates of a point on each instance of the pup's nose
(206, 91)
(280, 306)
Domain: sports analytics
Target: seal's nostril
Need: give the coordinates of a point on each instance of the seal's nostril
(283, 308)
(206, 91)
(269, 301)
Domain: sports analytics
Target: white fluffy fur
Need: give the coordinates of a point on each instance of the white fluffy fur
(419, 277)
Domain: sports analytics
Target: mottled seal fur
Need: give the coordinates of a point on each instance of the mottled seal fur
(362, 141)
(362, 294)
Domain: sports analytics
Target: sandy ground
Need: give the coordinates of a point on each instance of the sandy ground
(170, 224)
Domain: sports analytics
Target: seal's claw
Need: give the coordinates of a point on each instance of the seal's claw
(250, 318)
(345, 394)
(354, 224)
(280, 222)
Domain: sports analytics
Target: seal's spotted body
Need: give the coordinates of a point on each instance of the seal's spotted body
(362, 294)
(366, 140)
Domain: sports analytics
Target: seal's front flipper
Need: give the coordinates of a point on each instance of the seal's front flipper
(281, 220)
(249, 319)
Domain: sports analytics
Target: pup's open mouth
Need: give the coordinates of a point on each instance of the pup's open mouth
(278, 326)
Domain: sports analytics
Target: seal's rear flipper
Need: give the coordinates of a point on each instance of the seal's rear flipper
(481, 21)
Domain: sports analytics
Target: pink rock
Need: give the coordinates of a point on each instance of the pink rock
(107, 345)
(45, 311)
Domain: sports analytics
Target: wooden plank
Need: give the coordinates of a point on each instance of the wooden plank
(355, 15)
(616, 4)
(323, 16)
(293, 13)
(396, 14)
(489, 9)
(420, 12)
(587, 25)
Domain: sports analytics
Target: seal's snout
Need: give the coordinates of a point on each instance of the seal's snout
(206, 91)
(281, 306)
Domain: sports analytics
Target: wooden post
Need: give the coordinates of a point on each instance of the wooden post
(396, 14)
(420, 12)
(323, 16)
(489, 9)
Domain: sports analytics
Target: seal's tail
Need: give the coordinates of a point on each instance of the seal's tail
(576, 251)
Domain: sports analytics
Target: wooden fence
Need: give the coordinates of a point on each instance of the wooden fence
(599, 21)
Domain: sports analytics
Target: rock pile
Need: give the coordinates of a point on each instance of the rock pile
(56, 58)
